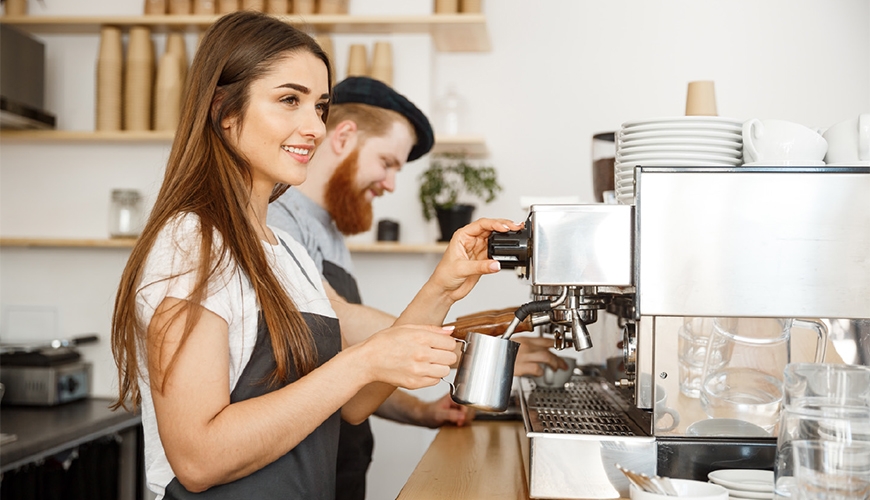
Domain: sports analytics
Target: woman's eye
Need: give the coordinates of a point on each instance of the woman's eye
(322, 107)
(290, 99)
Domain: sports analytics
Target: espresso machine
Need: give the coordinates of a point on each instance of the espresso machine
(757, 242)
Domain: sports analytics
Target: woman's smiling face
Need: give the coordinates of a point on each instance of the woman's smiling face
(283, 122)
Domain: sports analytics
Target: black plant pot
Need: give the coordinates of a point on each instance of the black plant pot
(453, 218)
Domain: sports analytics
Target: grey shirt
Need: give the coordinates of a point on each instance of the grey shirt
(312, 226)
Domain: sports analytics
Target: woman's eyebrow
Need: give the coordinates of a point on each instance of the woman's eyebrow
(295, 86)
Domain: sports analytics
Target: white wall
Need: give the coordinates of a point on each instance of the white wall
(559, 71)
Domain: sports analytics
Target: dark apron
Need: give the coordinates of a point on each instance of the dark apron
(308, 470)
(356, 442)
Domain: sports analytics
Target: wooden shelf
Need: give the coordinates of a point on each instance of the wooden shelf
(450, 32)
(129, 242)
(473, 145)
(85, 136)
(67, 242)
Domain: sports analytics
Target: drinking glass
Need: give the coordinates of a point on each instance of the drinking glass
(692, 352)
(827, 470)
(810, 421)
(829, 402)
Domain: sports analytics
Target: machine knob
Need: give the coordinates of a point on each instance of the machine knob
(511, 249)
(68, 385)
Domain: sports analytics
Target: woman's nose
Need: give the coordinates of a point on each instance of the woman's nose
(313, 126)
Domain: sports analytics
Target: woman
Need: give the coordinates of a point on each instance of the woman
(222, 329)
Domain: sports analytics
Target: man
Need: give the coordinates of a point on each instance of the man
(372, 131)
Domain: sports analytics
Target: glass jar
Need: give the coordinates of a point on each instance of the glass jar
(125, 215)
(450, 113)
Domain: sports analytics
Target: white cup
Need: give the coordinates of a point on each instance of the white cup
(849, 141)
(556, 378)
(779, 140)
(661, 409)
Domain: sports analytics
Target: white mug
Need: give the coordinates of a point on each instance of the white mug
(556, 378)
(662, 409)
(849, 141)
(779, 140)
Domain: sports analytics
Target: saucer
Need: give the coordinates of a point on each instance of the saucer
(686, 121)
(625, 137)
(725, 427)
(686, 140)
(744, 482)
(680, 148)
(786, 163)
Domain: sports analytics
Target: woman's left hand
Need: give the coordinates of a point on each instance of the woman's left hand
(465, 259)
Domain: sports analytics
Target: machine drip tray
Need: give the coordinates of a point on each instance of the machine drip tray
(586, 405)
(577, 433)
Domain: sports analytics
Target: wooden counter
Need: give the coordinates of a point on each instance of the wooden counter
(485, 460)
(480, 461)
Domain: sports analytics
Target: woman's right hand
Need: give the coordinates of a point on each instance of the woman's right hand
(409, 356)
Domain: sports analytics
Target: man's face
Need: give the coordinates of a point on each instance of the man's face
(365, 174)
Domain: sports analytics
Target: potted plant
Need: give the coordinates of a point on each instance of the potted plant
(445, 186)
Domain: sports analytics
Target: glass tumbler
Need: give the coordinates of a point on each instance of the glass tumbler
(692, 352)
(822, 402)
(826, 470)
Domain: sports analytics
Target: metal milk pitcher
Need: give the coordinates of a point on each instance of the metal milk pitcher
(485, 374)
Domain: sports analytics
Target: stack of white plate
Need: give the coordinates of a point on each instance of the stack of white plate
(743, 484)
(680, 141)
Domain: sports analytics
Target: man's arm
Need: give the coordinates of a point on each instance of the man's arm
(406, 409)
(358, 322)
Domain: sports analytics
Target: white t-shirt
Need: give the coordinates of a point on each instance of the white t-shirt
(230, 296)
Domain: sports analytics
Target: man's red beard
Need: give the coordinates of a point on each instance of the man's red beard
(346, 203)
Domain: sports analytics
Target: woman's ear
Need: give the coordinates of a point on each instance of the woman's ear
(344, 137)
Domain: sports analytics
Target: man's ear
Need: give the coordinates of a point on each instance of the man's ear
(344, 137)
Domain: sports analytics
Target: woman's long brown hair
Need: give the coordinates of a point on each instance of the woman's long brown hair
(206, 176)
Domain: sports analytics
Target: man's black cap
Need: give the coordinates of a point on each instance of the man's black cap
(373, 92)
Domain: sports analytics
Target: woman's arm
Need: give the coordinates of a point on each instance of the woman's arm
(464, 261)
(209, 441)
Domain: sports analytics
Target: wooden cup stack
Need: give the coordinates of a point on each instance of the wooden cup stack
(279, 7)
(325, 42)
(382, 63)
(304, 7)
(204, 7)
(110, 80)
(357, 61)
(138, 79)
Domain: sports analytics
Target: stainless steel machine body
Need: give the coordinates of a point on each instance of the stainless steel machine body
(742, 242)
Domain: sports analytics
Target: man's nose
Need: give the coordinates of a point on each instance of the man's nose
(389, 182)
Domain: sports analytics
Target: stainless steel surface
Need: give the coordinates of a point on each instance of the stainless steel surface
(588, 244)
(46, 385)
(775, 242)
(577, 434)
(712, 242)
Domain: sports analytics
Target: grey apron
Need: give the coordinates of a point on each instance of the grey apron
(356, 442)
(308, 470)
